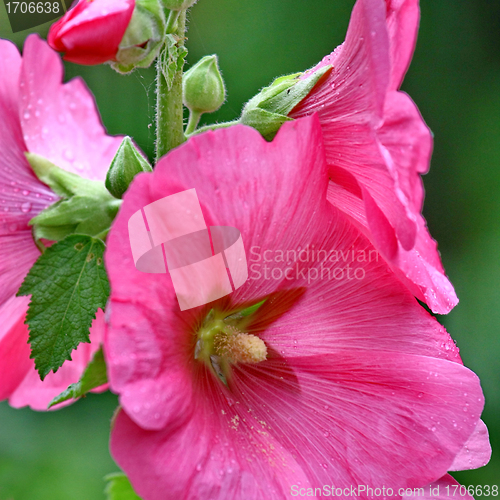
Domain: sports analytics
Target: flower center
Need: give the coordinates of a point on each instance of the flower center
(221, 343)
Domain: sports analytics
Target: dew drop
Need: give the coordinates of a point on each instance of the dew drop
(68, 155)
(26, 207)
(26, 115)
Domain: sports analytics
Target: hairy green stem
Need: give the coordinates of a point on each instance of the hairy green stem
(169, 110)
(172, 20)
(194, 119)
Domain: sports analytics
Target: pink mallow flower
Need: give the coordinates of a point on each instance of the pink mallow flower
(60, 122)
(339, 378)
(377, 144)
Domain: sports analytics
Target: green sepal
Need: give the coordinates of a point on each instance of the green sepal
(265, 122)
(62, 182)
(68, 284)
(86, 206)
(119, 487)
(269, 109)
(246, 312)
(94, 376)
(143, 38)
(126, 164)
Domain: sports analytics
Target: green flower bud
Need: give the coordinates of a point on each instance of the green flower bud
(269, 109)
(143, 38)
(126, 164)
(178, 4)
(203, 86)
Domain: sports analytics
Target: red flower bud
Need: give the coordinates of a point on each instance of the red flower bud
(91, 32)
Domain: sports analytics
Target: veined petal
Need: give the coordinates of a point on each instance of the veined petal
(36, 394)
(402, 24)
(14, 348)
(476, 451)
(442, 489)
(350, 419)
(61, 121)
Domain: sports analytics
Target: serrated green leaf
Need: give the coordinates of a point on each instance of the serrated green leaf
(67, 284)
(94, 376)
(119, 488)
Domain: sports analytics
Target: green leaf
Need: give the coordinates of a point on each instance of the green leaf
(68, 284)
(94, 376)
(119, 488)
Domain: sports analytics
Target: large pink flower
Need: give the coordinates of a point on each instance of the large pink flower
(360, 384)
(60, 122)
(377, 145)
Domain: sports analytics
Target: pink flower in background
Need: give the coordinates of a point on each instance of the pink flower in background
(60, 122)
(340, 377)
(377, 144)
(91, 32)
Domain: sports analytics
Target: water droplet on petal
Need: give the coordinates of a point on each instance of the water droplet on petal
(68, 155)
(26, 207)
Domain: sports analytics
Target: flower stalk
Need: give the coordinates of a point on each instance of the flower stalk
(169, 108)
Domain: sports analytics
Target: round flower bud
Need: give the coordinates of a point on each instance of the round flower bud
(203, 87)
(91, 32)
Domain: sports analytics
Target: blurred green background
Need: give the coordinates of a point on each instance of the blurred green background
(454, 79)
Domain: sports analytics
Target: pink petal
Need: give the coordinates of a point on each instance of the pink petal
(442, 489)
(37, 395)
(377, 144)
(14, 348)
(406, 144)
(21, 194)
(402, 24)
(351, 107)
(65, 113)
(352, 418)
(476, 452)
